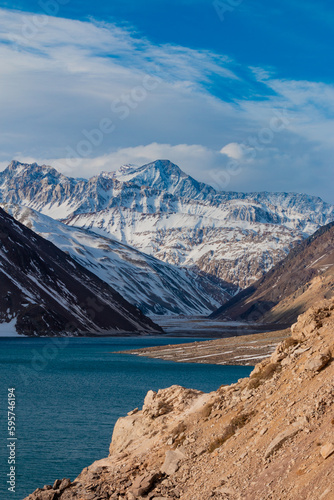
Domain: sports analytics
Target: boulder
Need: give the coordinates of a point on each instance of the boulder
(144, 483)
(318, 361)
(64, 484)
(172, 461)
(56, 484)
(327, 450)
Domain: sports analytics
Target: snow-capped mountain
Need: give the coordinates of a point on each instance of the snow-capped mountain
(155, 287)
(52, 193)
(45, 292)
(164, 212)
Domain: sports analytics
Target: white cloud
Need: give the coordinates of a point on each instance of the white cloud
(234, 150)
(61, 80)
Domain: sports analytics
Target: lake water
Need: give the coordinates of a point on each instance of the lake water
(69, 394)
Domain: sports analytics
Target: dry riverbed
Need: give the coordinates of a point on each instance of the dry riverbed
(240, 350)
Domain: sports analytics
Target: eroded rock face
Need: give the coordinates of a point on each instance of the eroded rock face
(312, 321)
(290, 287)
(161, 414)
(172, 461)
(327, 450)
(267, 436)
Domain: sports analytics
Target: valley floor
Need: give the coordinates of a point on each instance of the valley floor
(201, 326)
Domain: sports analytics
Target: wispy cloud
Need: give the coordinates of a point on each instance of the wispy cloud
(62, 80)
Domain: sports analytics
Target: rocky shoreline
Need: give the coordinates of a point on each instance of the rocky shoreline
(269, 436)
(242, 350)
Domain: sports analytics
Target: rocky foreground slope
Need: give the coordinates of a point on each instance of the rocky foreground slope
(44, 292)
(269, 436)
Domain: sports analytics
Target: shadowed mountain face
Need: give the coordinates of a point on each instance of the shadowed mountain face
(293, 285)
(155, 287)
(45, 292)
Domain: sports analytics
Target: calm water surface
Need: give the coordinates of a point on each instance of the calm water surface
(69, 394)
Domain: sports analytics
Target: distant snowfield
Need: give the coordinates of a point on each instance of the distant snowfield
(9, 330)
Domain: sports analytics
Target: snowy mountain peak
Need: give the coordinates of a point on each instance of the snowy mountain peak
(17, 169)
(14, 165)
(164, 171)
(164, 176)
(17, 166)
(126, 169)
(123, 170)
(165, 167)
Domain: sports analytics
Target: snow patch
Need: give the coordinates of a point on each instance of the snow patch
(9, 329)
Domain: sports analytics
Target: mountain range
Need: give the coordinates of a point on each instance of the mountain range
(166, 242)
(45, 292)
(155, 287)
(161, 211)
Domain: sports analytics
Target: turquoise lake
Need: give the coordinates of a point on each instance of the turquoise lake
(69, 394)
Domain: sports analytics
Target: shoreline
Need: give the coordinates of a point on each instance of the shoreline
(244, 350)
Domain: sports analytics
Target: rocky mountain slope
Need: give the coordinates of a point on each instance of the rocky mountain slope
(155, 287)
(305, 276)
(45, 292)
(269, 436)
(162, 211)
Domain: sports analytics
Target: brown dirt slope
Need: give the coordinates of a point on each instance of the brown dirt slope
(291, 287)
(270, 436)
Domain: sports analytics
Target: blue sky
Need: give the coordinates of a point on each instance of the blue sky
(243, 100)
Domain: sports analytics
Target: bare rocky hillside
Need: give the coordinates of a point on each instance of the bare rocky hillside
(270, 436)
(304, 277)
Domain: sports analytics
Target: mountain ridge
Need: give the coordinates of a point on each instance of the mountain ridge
(236, 237)
(155, 287)
(45, 292)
